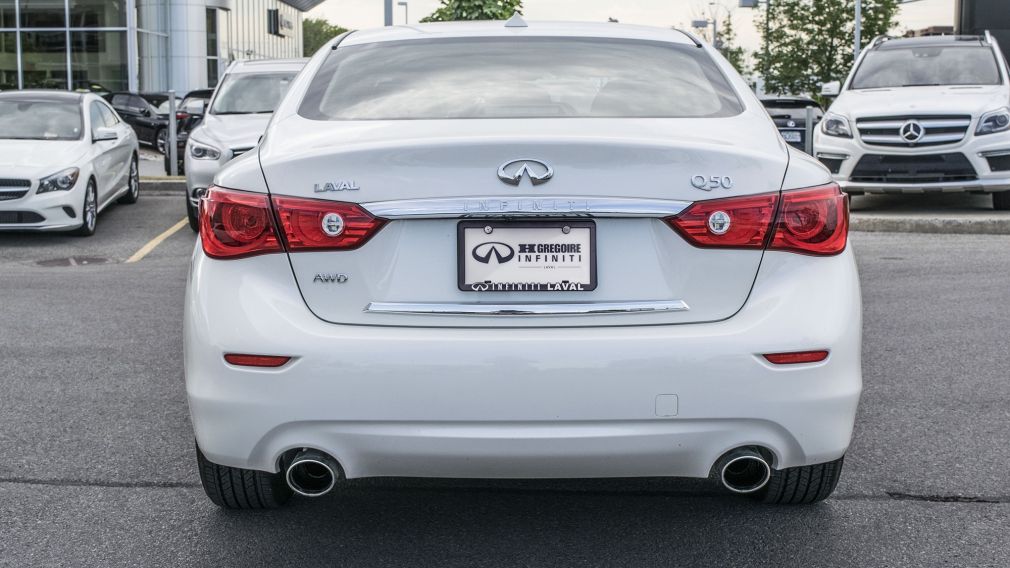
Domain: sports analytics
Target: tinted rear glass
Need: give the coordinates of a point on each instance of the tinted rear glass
(927, 66)
(518, 78)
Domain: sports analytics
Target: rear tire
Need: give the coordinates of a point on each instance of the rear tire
(133, 193)
(235, 488)
(1001, 201)
(802, 485)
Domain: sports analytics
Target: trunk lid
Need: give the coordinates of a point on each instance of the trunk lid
(621, 175)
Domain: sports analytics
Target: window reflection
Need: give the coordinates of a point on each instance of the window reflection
(44, 60)
(97, 13)
(98, 61)
(43, 14)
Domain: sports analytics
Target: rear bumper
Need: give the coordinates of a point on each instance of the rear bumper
(981, 186)
(511, 403)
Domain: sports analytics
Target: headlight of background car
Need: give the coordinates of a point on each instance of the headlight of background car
(835, 125)
(60, 181)
(995, 121)
(203, 152)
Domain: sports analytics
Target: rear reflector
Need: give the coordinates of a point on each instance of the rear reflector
(796, 357)
(811, 221)
(256, 360)
(236, 224)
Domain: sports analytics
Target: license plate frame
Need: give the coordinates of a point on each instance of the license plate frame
(508, 224)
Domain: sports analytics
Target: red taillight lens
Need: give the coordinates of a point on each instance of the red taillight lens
(236, 224)
(735, 222)
(796, 357)
(812, 221)
(181, 115)
(317, 224)
(256, 360)
(809, 221)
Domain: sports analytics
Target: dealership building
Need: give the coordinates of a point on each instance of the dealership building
(141, 45)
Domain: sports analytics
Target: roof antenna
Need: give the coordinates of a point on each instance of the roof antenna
(516, 21)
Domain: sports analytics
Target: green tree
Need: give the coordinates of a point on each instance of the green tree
(808, 42)
(726, 45)
(452, 10)
(316, 32)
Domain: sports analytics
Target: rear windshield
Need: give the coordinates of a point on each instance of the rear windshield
(518, 78)
(40, 120)
(926, 67)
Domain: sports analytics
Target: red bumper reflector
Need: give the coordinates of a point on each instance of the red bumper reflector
(256, 360)
(797, 357)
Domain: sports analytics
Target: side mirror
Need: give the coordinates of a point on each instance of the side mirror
(831, 89)
(103, 133)
(199, 107)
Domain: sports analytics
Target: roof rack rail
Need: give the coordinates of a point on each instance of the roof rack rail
(879, 40)
(988, 37)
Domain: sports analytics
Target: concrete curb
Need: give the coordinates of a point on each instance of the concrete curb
(962, 225)
(163, 185)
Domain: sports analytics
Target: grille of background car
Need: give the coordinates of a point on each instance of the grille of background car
(10, 195)
(932, 168)
(886, 131)
(4, 182)
(20, 217)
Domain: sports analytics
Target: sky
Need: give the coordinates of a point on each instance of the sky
(360, 14)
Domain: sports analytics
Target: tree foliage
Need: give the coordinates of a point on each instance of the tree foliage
(316, 32)
(452, 10)
(727, 46)
(810, 41)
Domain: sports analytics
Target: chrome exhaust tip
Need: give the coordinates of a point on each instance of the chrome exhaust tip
(312, 473)
(744, 471)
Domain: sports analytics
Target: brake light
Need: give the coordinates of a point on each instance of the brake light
(237, 224)
(318, 224)
(735, 222)
(796, 357)
(809, 221)
(812, 221)
(182, 115)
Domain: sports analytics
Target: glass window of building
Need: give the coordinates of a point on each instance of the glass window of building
(8, 17)
(98, 61)
(44, 60)
(212, 48)
(8, 61)
(97, 13)
(43, 14)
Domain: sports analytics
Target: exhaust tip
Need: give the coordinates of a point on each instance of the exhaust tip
(312, 473)
(745, 471)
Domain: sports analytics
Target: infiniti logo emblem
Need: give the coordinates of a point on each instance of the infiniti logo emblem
(513, 172)
(501, 252)
(912, 132)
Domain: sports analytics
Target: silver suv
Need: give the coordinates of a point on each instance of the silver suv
(236, 117)
(922, 115)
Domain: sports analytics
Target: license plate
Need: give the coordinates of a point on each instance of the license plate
(792, 136)
(527, 256)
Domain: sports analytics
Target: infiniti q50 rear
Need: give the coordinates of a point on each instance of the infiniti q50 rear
(488, 250)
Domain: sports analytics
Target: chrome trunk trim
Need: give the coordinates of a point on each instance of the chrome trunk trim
(545, 309)
(525, 206)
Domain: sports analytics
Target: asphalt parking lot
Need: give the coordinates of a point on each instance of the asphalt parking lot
(97, 462)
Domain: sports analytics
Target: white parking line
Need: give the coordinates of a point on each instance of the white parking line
(146, 249)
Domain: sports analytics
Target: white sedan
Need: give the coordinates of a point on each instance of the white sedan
(64, 157)
(511, 250)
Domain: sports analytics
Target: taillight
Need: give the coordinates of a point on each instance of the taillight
(812, 221)
(237, 224)
(809, 221)
(182, 115)
(317, 224)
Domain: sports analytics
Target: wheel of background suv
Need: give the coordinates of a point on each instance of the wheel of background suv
(194, 216)
(89, 213)
(802, 485)
(161, 140)
(1001, 200)
(133, 194)
(235, 488)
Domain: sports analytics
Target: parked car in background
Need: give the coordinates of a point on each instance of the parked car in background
(512, 250)
(238, 113)
(191, 111)
(64, 157)
(147, 113)
(790, 116)
(920, 115)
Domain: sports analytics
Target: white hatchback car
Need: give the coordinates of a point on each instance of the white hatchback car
(487, 250)
(64, 157)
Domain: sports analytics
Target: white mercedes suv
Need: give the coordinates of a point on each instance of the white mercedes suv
(922, 115)
(510, 250)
